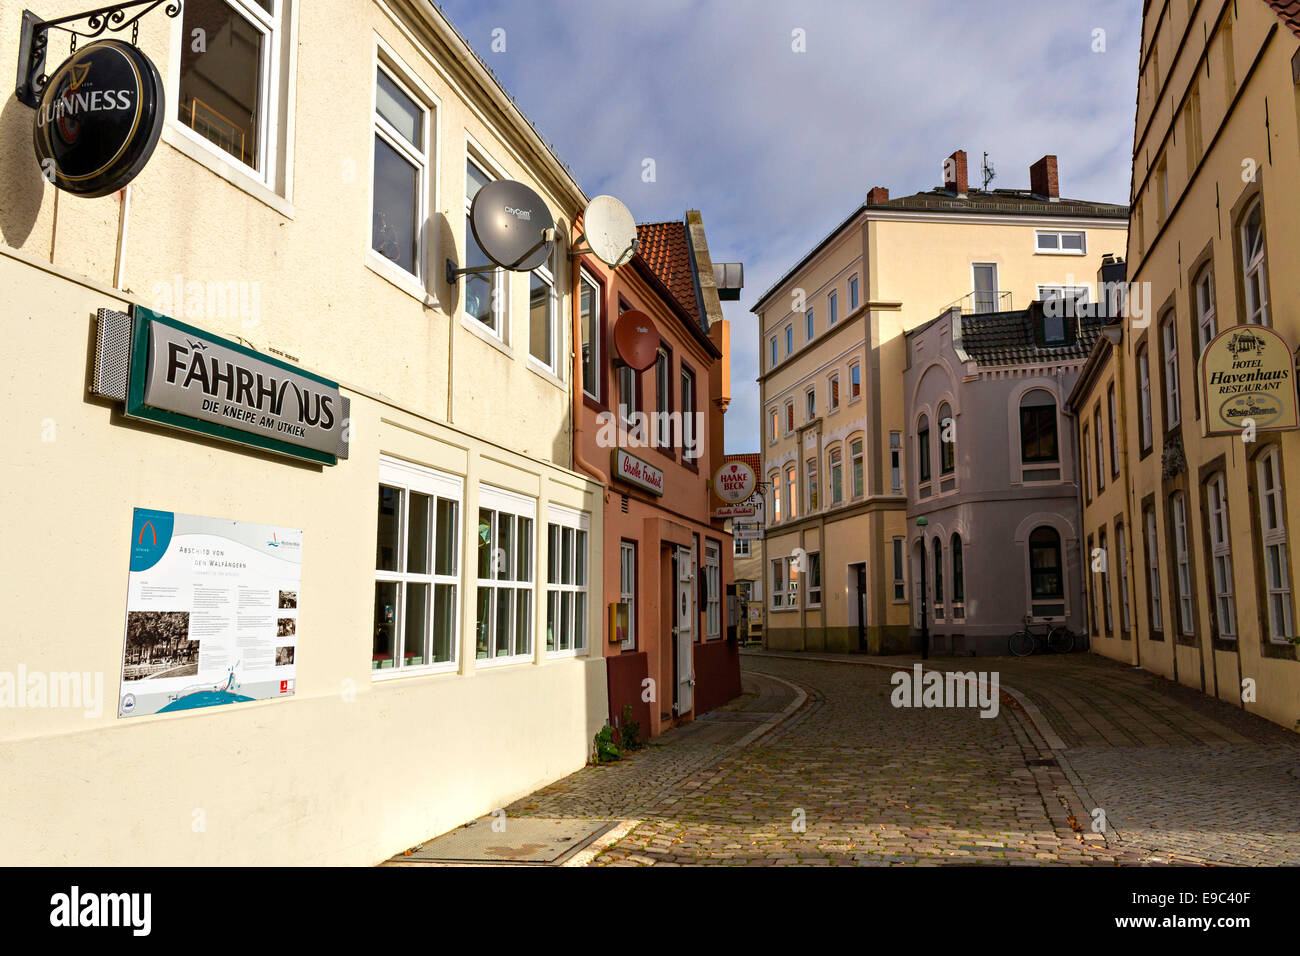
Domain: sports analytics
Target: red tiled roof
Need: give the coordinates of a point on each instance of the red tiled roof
(1288, 10)
(753, 460)
(665, 250)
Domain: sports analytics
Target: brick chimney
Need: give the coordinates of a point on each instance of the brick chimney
(1043, 180)
(877, 195)
(954, 173)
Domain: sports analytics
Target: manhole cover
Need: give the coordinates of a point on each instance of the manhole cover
(519, 840)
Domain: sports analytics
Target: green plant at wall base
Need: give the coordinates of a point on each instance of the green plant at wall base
(629, 731)
(606, 751)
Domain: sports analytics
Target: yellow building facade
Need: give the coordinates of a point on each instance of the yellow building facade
(309, 221)
(832, 356)
(1193, 560)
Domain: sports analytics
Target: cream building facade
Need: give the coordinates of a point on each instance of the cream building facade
(831, 382)
(1196, 581)
(313, 176)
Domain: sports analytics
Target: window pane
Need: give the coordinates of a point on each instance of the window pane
(552, 605)
(539, 319)
(389, 529)
(553, 554)
(484, 622)
(397, 202)
(221, 83)
(478, 288)
(383, 654)
(1073, 241)
(590, 339)
(524, 551)
(402, 112)
(579, 620)
(444, 623)
(444, 561)
(417, 624)
(580, 559)
(485, 543)
(566, 618)
(566, 552)
(504, 625)
(523, 622)
(503, 557)
(417, 540)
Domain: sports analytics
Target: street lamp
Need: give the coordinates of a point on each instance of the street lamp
(922, 523)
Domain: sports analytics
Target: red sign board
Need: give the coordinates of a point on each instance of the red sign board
(634, 471)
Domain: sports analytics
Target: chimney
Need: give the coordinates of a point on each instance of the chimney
(877, 195)
(1043, 181)
(954, 173)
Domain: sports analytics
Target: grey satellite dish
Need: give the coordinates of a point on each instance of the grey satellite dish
(513, 225)
(610, 231)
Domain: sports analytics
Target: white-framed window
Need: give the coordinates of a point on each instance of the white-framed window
(663, 399)
(690, 441)
(627, 589)
(791, 490)
(1112, 411)
(504, 630)
(400, 186)
(835, 468)
(1101, 449)
(1183, 563)
(1272, 520)
(1206, 324)
(857, 468)
(937, 568)
(814, 582)
(1144, 397)
(1221, 555)
(589, 322)
(712, 589)
(855, 382)
(1173, 408)
(1105, 583)
(785, 584)
(789, 339)
(896, 462)
(1078, 294)
(984, 285)
(810, 327)
(1061, 242)
(485, 294)
(774, 421)
(1253, 266)
(566, 581)
(810, 470)
(628, 400)
(853, 293)
(740, 547)
(789, 416)
(834, 386)
(774, 480)
(1125, 606)
(1153, 572)
(810, 403)
(773, 357)
(900, 583)
(543, 317)
(833, 307)
(232, 86)
(417, 579)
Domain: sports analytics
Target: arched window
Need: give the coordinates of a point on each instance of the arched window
(923, 449)
(958, 578)
(938, 579)
(835, 474)
(1038, 427)
(1254, 271)
(947, 440)
(774, 480)
(1046, 577)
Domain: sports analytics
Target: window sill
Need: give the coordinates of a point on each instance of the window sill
(566, 655)
(489, 663)
(1058, 252)
(482, 332)
(183, 140)
(540, 370)
(399, 277)
(430, 670)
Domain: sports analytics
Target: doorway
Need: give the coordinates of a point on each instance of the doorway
(683, 633)
(858, 595)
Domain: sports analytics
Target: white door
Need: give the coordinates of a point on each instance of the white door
(684, 631)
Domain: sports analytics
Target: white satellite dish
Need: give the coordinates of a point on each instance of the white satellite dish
(610, 231)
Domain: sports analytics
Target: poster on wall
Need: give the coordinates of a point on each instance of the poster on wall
(211, 613)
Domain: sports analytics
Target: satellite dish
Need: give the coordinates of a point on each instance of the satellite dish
(610, 231)
(513, 225)
(636, 339)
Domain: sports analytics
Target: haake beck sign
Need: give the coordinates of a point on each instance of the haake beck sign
(99, 119)
(734, 481)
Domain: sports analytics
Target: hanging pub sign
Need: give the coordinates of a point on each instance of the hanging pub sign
(734, 481)
(190, 379)
(98, 119)
(634, 471)
(1247, 380)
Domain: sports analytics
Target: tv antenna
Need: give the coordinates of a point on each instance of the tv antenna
(989, 172)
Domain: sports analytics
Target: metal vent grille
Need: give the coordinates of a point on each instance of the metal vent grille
(112, 354)
(624, 504)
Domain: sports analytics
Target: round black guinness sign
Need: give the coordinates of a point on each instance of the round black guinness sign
(99, 119)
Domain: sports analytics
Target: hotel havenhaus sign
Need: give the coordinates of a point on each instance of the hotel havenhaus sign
(1246, 377)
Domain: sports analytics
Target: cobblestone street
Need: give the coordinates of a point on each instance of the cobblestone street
(814, 766)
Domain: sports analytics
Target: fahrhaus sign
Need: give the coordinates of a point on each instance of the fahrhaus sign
(633, 470)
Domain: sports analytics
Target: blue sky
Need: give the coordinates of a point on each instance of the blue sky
(776, 147)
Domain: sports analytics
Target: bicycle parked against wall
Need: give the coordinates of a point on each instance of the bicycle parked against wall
(1055, 637)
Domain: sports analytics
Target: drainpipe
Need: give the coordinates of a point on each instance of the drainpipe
(575, 377)
(123, 221)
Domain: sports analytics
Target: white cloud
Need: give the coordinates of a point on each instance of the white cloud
(776, 147)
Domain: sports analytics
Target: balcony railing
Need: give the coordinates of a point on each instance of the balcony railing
(978, 302)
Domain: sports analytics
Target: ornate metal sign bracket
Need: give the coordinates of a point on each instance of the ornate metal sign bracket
(34, 39)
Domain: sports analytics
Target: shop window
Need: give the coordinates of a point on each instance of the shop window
(566, 582)
(785, 586)
(417, 581)
(505, 579)
(814, 583)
